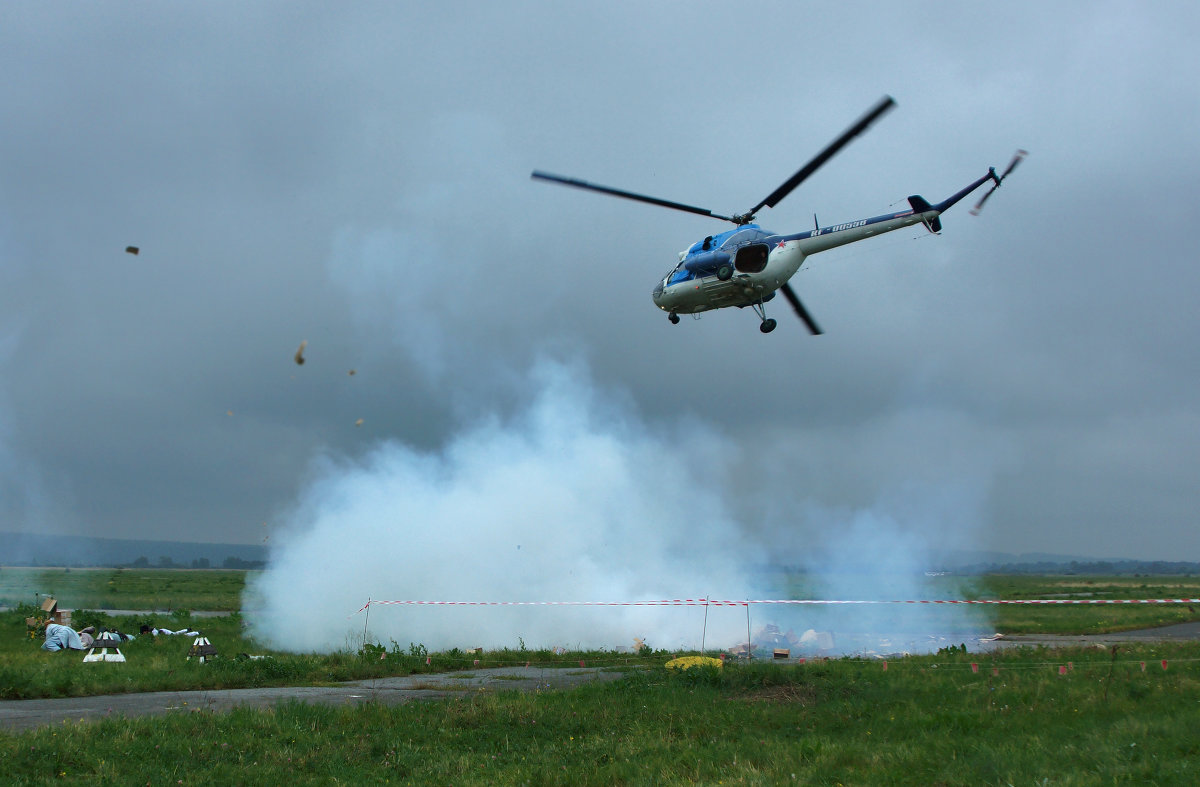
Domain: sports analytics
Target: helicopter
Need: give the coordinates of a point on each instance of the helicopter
(748, 265)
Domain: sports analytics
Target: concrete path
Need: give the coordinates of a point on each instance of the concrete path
(17, 715)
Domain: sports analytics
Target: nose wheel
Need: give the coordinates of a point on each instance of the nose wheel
(674, 318)
(767, 326)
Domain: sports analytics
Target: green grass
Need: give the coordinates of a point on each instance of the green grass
(125, 588)
(924, 721)
(27, 672)
(1086, 618)
(161, 663)
(212, 589)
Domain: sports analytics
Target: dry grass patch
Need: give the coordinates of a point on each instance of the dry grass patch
(783, 694)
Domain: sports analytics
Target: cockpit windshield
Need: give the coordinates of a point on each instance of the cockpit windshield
(704, 256)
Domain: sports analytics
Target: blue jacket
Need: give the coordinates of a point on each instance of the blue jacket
(60, 637)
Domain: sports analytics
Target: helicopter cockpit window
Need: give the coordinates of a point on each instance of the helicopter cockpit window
(680, 274)
(737, 239)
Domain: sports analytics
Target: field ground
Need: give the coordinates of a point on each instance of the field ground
(221, 590)
(124, 588)
(1063, 716)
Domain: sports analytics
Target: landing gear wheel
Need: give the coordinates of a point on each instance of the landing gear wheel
(674, 318)
(767, 326)
(725, 272)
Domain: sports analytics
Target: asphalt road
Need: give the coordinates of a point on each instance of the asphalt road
(17, 715)
(1180, 632)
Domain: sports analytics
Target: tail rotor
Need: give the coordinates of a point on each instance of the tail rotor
(998, 179)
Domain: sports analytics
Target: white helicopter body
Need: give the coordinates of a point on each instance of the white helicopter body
(746, 266)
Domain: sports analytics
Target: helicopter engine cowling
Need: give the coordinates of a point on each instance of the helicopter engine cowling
(708, 263)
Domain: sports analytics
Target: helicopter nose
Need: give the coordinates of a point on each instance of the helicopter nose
(657, 294)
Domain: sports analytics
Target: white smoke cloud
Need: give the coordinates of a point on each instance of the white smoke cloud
(576, 498)
(573, 499)
(889, 553)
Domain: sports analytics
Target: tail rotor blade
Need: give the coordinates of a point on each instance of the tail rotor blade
(979, 205)
(801, 312)
(1017, 159)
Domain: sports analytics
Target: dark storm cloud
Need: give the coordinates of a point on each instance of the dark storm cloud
(358, 178)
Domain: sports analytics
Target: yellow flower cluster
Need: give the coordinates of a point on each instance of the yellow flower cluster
(685, 662)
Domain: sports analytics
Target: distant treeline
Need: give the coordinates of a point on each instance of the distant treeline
(42, 549)
(200, 562)
(1092, 567)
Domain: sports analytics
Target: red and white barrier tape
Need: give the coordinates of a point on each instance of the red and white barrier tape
(703, 602)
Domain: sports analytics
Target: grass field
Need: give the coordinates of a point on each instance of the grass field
(1113, 716)
(124, 588)
(923, 721)
(211, 589)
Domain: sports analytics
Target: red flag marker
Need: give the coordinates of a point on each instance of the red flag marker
(885, 666)
(1062, 670)
(974, 667)
(427, 660)
(1164, 664)
(581, 662)
(996, 672)
(1143, 666)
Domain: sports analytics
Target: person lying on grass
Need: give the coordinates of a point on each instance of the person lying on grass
(60, 637)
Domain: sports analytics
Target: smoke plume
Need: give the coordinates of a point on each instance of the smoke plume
(572, 499)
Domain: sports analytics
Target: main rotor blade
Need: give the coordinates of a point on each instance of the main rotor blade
(583, 184)
(801, 312)
(885, 103)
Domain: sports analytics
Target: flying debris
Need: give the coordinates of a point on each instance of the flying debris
(352, 372)
(359, 422)
(300, 353)
(132, 249)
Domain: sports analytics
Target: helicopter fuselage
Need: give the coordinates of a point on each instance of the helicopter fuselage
(745, 266)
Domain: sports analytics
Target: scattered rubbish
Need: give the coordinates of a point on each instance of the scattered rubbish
(299, 357)
(51, 610)
(821, 640)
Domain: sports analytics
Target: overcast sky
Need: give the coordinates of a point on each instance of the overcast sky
(357, 176)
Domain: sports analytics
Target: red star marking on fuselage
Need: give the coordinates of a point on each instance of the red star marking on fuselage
(781, 244)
